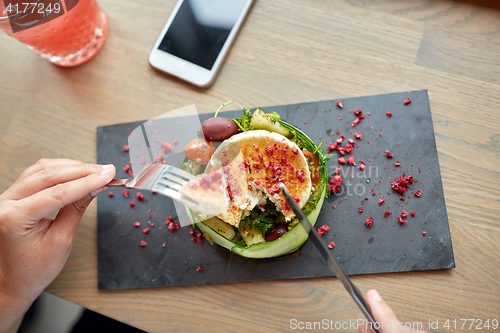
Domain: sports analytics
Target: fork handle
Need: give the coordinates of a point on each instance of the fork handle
(117, 182)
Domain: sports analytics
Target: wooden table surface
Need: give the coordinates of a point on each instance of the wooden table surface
(288, 51)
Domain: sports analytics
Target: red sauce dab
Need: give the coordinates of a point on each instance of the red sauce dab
(369, 222)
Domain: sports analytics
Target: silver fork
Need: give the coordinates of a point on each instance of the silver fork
(162, 178)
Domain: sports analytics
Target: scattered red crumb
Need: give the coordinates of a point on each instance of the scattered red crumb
(360, 209)
(341, 151)
(146, 231)
(339, 104)
(139, 196)
(350, 161)
(331, 245)
(418, 193)
(334, 207)
(131, 204)
(397, 164)
(404, 214)
(402, 184)
(362, 167)
(400, 220)
(387, 212)
(369, 222)
(126, 168)
(408, 101)
(192, 231)
(348, 149)
(167, 147)
(305, 122)
(322, 230)
(381, 201)
(111, 194)
(358, 136)
(342, 160)
(424, 233)
(137, 224)
(199, 269)
(193, 239)
(413, 213)
(143, 243)
(174, 226)
(388, 154)
(332, 147)
(357, 112)
(125, 148)
(176, 142)
(351, 142)
(389, 114)
(125, 193)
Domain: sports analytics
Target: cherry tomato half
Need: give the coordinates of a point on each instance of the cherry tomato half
(313, 163)
(198, 151)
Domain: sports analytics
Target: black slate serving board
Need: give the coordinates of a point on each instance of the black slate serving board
(385, 247)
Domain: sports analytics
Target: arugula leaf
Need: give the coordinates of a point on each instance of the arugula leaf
(243, 123)
(273, 115)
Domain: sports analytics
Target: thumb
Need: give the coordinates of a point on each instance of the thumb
(382, 313)
(69, 216)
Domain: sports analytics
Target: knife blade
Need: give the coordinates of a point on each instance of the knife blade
(329, 258)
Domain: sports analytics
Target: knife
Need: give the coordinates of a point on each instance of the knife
(329, 258)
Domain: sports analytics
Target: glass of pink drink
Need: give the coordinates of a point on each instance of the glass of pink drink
(67, 40)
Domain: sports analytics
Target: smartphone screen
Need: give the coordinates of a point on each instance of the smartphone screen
(200, 29)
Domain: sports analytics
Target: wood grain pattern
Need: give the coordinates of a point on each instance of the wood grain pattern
(287, 52)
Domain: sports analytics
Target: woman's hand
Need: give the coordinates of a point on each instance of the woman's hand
(382, 313)
(34, 248)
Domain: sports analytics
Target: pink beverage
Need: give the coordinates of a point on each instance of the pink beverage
(73, 37)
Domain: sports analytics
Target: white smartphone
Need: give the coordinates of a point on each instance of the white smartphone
(196, 39)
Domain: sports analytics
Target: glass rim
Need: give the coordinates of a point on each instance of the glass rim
(6, 18)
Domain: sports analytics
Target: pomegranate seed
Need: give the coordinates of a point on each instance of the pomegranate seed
(408, 101)
(339, 104)
(424, 233)
(369, 222)
(331, 245)
(418, 193)
(143, 243)
(389, 114)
